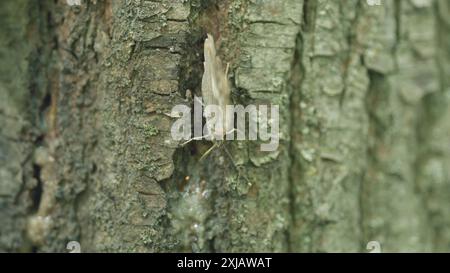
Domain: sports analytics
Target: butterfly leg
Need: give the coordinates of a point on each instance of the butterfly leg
(192, 139)
(209, 151)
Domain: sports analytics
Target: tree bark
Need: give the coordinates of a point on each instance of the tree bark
(86, 151)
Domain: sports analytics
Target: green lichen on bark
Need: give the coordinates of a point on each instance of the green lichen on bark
(396, 185)
(15, 120)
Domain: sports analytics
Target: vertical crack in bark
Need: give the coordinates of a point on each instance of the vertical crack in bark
(64, 156)
(36, 192)
(295, 111)
(309, 15)
(374, 97)
(298, 74)
(40, 104)
(433, 107)
(398, 28)
(352, 45)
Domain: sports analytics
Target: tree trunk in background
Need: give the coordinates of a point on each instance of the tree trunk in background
(86, 152)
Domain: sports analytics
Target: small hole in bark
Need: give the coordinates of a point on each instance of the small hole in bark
(36, 192)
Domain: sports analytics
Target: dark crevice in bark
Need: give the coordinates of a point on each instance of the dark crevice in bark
(352, 45)
(295, 114)
(39, 103)
(398, 26)
(442, 42)
(296, 79)
(36, 192)
(45, 104)
(185, 158)
(309, 15)
(375, 97)
(361, 198)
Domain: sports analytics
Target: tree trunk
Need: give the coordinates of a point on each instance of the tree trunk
(87, 155)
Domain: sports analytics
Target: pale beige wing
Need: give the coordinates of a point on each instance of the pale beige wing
(209, 81)
(215, 85)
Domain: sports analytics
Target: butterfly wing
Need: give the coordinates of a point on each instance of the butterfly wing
(209, 80)
(215, 87)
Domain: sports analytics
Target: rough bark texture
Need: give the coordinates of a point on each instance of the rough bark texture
(86, 152)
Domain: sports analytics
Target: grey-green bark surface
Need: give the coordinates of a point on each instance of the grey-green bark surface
(86, 152)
